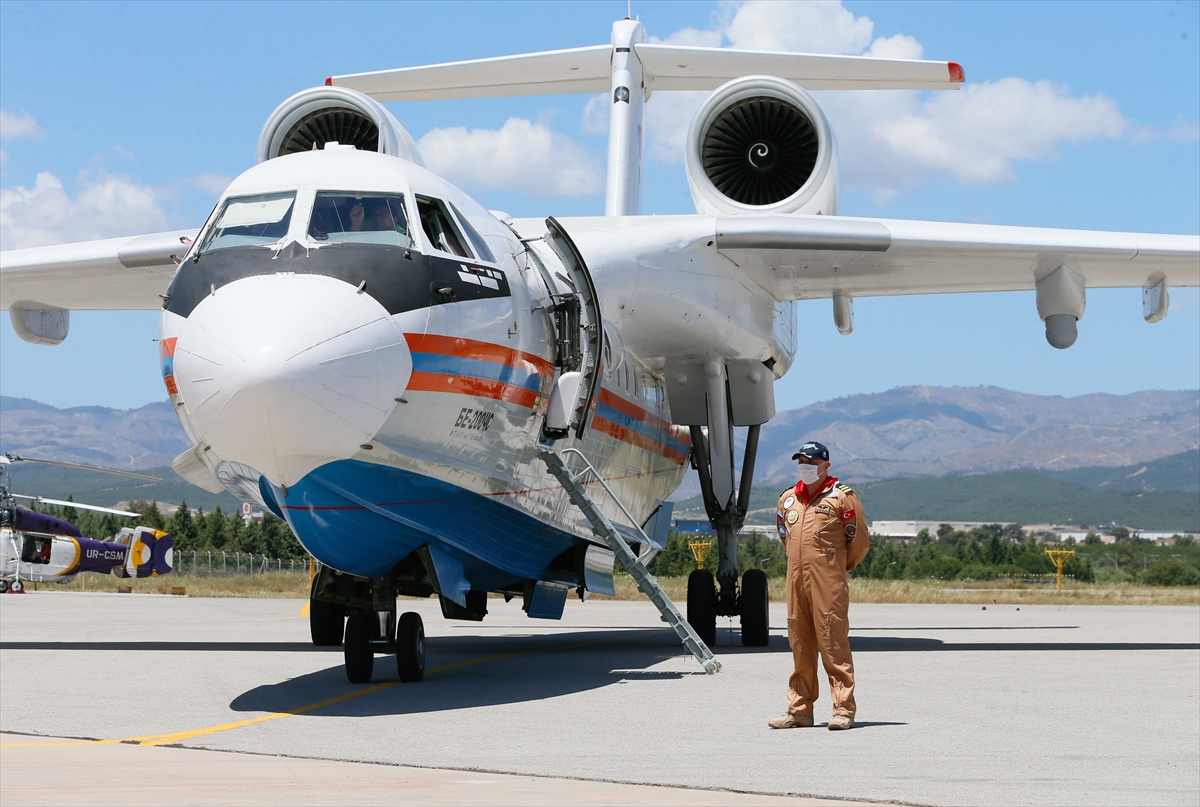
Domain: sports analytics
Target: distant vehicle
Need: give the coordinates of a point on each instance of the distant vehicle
(41, 548)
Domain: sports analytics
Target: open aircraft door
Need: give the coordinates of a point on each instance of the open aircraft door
(579, 340)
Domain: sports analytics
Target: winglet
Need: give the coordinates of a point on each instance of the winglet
(329, 80)
(956, 73)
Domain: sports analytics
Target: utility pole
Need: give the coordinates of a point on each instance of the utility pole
(1059, 556)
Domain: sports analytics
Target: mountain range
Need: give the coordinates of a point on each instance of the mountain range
(916, 431)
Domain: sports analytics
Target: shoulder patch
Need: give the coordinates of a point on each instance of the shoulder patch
(844, 488)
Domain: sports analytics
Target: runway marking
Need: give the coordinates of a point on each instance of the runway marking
(163, 739)
(304, 610)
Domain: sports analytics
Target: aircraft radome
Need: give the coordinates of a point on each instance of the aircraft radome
(442, 400)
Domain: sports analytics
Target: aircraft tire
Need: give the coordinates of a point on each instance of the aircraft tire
(16, 586)
(702, 605)
(410, 647)
(754, 605)
(3, 586)
(361, 628)
(326, 623)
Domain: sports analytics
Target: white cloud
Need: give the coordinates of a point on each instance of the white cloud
(13, 126)
(107, 205)
(1178, 132)
(521, 155)
(810, 27)
(892, 140)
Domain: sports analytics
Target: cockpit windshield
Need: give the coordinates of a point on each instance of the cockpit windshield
(359, 218)
(250, 221)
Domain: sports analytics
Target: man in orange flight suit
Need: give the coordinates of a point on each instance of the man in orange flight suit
(822, 526)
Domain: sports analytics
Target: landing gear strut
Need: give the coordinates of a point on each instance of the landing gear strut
(706, 602)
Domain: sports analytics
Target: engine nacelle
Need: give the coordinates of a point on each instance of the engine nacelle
(761, 144)
(313, 117)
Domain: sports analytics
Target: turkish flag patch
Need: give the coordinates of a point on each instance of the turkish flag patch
(847, 515)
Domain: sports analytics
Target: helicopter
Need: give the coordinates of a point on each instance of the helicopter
(35, 547)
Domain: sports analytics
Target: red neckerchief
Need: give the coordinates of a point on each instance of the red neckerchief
(807, 497)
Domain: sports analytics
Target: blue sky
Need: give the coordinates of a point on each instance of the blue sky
(125, 118)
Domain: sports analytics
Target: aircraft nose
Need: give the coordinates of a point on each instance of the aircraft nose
(287, 372)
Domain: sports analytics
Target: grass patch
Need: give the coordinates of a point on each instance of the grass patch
(295, 586)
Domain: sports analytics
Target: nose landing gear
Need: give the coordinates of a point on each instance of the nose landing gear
(364, 640)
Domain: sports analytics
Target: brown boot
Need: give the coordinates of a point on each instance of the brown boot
(840, 723)
(791, 722)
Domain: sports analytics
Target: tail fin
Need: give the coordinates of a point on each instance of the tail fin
(151, 552)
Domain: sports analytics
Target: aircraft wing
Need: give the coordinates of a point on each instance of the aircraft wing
(797, 257)
(113, 274)
(667, 67)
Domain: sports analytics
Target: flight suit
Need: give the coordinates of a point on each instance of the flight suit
(825, 537)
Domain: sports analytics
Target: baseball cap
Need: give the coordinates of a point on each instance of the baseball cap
(813, 451)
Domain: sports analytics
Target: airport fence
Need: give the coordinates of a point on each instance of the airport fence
(207, 563)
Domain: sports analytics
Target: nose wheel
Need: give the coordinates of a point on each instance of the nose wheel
(410, 647)
(363, 641)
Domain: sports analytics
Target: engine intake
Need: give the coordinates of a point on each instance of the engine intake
(311, 118)
(762, 144)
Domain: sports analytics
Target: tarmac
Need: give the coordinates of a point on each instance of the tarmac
(144, 699)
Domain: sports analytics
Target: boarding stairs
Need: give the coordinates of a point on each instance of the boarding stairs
(574, 485)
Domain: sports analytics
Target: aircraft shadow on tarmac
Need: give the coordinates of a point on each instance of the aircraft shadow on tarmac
(472, 671)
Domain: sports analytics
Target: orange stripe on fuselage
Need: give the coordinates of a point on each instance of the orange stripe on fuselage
(633, 410)
(484, 351)
(605, 426)
(479, 387)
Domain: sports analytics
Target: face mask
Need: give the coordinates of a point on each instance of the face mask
(809, 474)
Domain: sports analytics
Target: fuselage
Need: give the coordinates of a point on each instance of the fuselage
(361, 348)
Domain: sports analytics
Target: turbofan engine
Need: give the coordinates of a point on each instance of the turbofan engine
(311, 118)
(761, 144)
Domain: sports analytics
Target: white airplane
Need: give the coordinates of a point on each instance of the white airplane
(442, 400)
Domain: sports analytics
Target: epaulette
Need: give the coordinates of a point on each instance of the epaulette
(844, 488)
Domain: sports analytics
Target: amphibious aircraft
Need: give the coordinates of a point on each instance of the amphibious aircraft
(442, 400)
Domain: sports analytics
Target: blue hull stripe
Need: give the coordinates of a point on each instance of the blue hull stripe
(640, 427)
(475, 368)
(498, 545)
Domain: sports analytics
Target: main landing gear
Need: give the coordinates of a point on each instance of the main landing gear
(753, 601)
(708, 598)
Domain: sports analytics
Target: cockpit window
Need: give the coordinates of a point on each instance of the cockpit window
(481, 248)
(359, 218)
(250, 221)
(440, 228)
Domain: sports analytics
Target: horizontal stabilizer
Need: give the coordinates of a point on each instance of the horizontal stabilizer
(675, 67)
(552, 72)
(667, 67)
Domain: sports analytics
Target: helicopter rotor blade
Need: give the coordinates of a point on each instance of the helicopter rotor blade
(15, 458)
(76, 505)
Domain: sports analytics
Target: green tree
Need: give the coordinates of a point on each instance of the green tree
(183, 529)
(1092, 538)
(1170, 573)
(1183, 540)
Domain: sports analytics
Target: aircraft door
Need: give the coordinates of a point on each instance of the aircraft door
(580, 339)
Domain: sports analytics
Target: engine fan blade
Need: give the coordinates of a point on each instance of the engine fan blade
(15, 458)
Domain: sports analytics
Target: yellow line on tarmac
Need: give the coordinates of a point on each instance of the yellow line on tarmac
(304, 610)
(162, 739)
